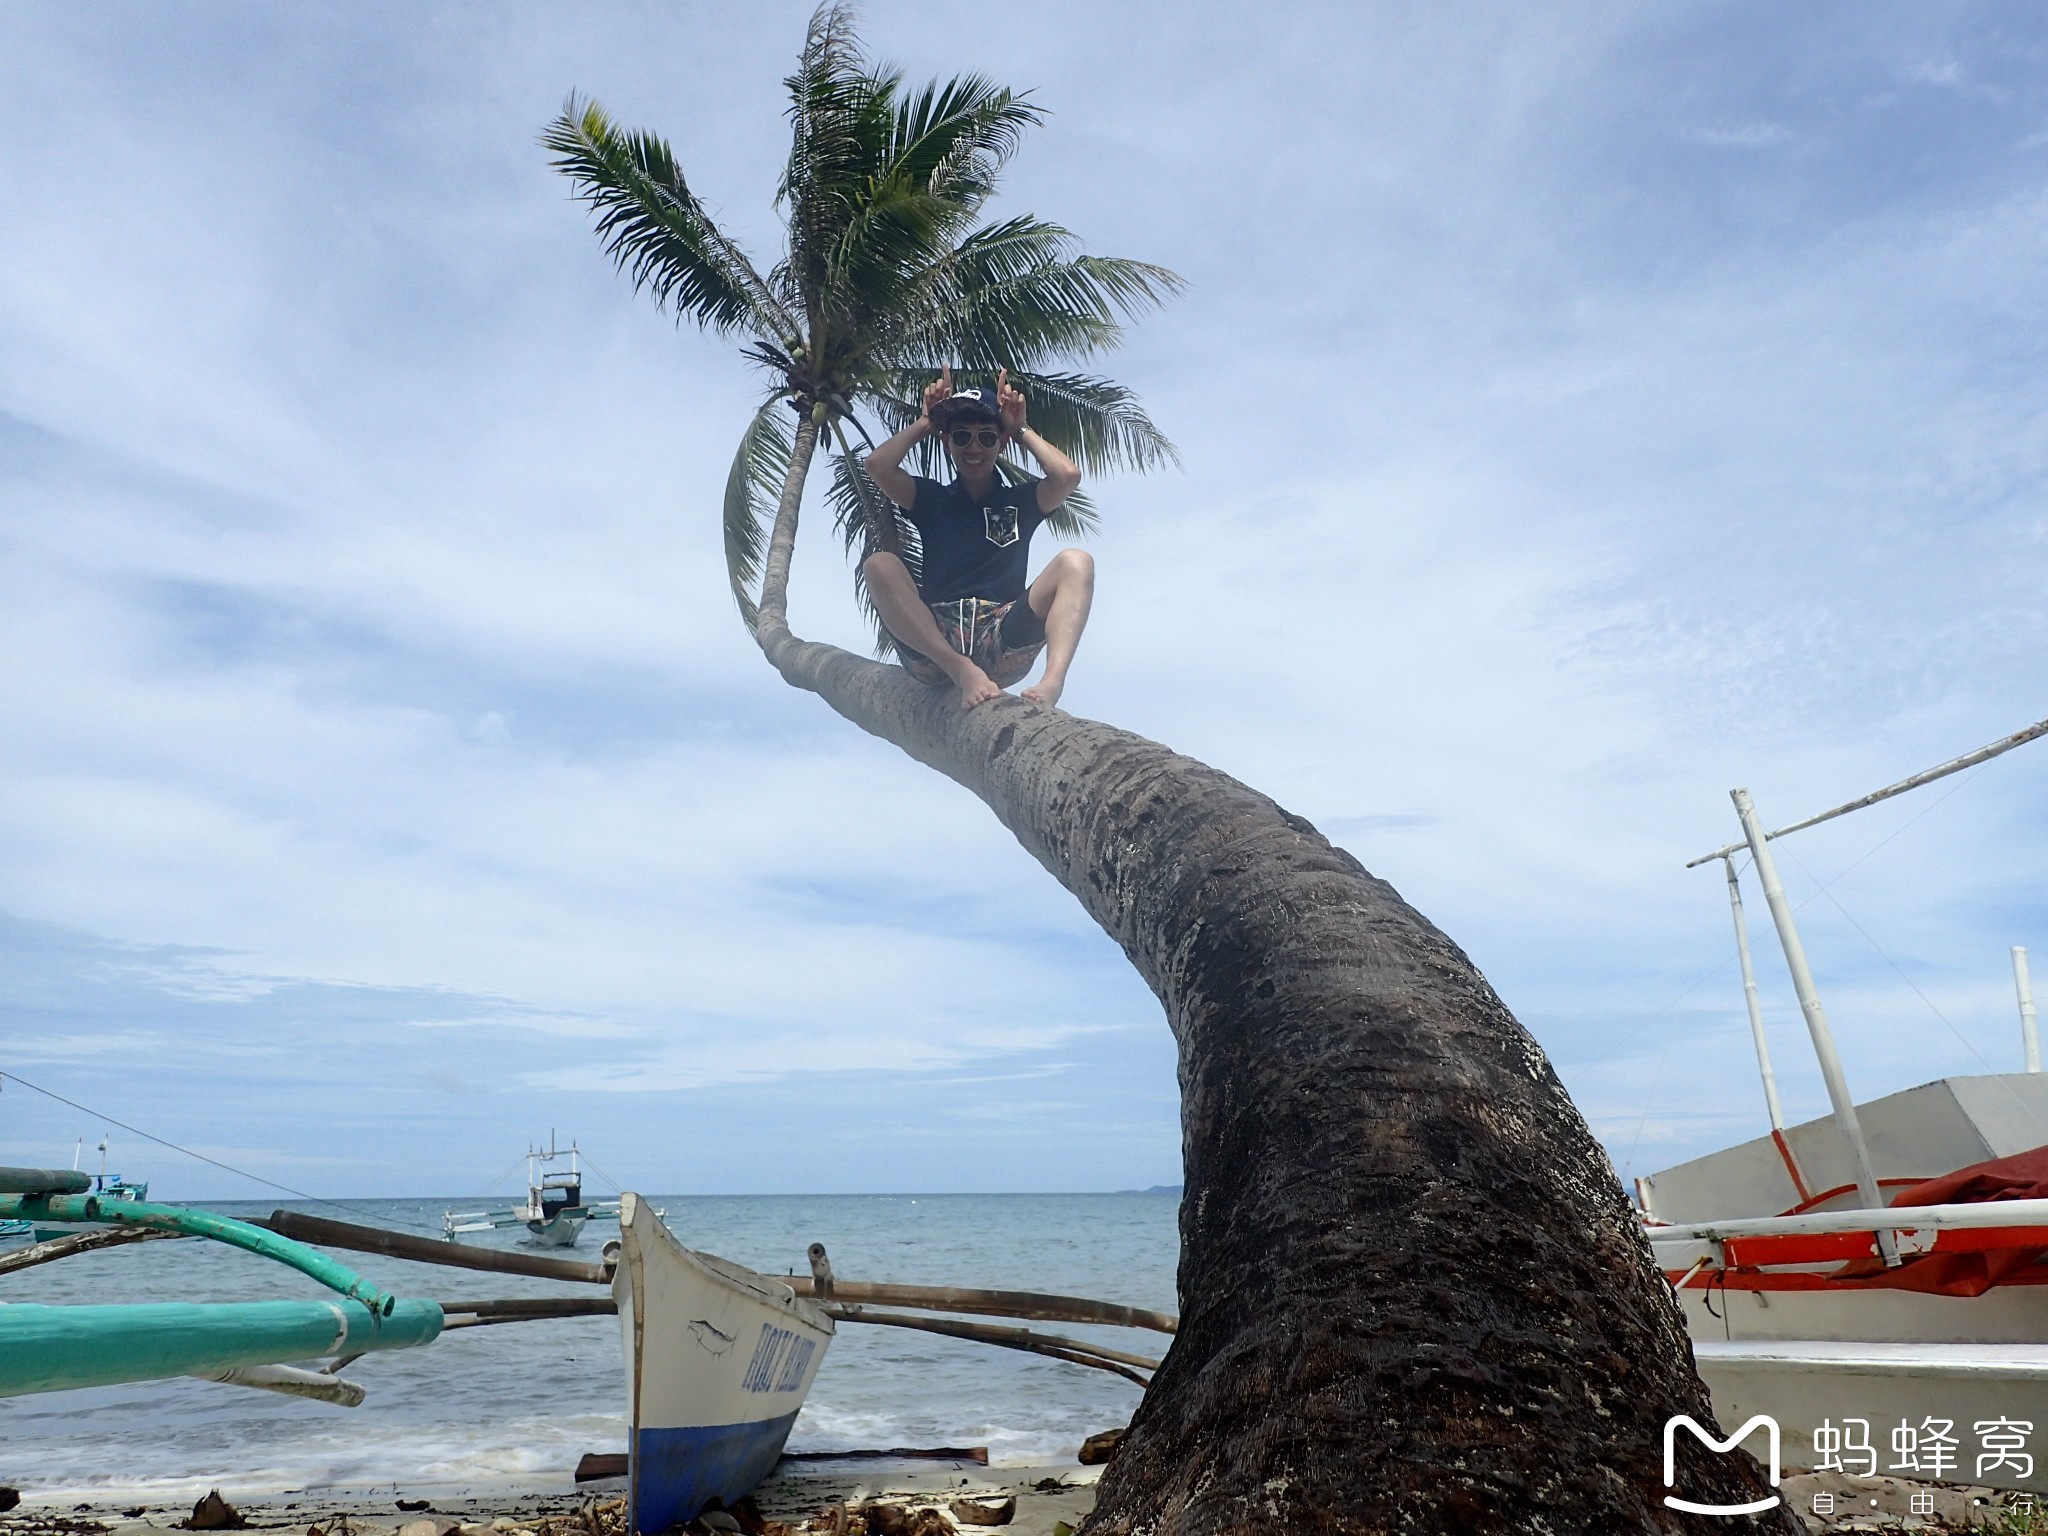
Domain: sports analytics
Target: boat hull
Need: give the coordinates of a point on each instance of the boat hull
(718, 1363)
(559, 1232)
(1805, 1386)
(2007, 1314)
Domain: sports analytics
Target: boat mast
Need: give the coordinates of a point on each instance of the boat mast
(1756, 1032)
(2030, 1034)
(1816, 1016)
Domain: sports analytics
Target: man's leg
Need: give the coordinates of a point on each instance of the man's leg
(1061, 596)
(902, 608)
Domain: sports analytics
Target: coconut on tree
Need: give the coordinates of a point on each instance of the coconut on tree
(1413, 1297)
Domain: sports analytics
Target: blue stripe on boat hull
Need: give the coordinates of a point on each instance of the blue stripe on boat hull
(676, 1472)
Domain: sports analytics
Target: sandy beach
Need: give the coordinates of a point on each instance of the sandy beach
(799, 1492)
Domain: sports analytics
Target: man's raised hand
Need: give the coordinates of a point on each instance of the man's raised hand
(939, 389)
(1010, 403)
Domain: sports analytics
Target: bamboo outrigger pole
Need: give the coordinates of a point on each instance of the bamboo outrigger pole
(820, 1284)
(325, 1233)
(50, 1349)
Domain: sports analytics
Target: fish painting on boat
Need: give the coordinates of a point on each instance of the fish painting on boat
(719, 1360)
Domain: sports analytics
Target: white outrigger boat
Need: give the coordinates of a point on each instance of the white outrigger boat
(1876, 1281)
(719, 1360)
(555, 1212)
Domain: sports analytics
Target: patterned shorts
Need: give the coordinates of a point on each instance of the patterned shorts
(1003, 639)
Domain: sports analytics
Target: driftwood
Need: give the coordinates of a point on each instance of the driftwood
(1058, 1346)
(1097, 1449)
(77, 1242)
(971, 1511)
(324, 1233)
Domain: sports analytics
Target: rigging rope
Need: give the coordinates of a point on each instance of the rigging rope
(380, 1217)
(1823, 888)
(1909, 981)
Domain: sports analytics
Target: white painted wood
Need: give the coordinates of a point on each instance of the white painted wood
(1810, 1005)
(693, 1325)
(1806, 1385)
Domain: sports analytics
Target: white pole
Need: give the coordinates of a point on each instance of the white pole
(2030, 1035)
(1756, 1014)
(1816, 1016)
(1955, 765)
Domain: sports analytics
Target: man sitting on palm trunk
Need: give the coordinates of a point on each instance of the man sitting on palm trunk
(968, 618)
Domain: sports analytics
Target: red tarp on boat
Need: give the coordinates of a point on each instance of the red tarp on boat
(2023, 1176)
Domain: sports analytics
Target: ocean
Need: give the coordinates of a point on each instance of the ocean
(510, 1409)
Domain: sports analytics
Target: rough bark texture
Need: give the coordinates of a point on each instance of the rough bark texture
(1413, 1297)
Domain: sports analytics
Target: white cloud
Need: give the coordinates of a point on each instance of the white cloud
(383, 714)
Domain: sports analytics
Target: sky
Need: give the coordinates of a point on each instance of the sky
(1584, 410)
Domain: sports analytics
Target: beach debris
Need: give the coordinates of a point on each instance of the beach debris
(985, 1511)
(598, 1464)
(214, 1513)
(1097, 1449)
(978, 1454)
(887, 1517)
(127, 1514)
(414, 1506)
(9, 1498)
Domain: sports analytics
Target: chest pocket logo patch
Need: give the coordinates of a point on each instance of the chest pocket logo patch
(1001, 525)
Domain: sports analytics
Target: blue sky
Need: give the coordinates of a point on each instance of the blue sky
(1585, 409)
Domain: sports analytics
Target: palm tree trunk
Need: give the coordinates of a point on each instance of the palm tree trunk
(1413, 1297)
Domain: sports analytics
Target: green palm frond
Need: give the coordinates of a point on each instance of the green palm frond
(860, 514)
(946, 147)
(654, 227)
(1011, 295)
(751, 492)
(840, 114)
(1095, 421)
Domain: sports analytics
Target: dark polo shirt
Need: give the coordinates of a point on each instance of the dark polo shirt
(974, 547)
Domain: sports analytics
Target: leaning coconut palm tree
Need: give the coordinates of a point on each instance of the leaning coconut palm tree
(1412, 1295)
(890, 275)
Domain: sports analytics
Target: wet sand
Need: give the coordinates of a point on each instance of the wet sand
(1046, 1496)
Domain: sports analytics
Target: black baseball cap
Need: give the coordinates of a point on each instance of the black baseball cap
(977, 404)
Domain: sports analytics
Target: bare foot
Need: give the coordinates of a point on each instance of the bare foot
(976, 687)
(1046, 691)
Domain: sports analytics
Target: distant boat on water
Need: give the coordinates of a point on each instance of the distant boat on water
(105, 1186)
(555, 1212)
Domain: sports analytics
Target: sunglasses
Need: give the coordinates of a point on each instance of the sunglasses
(960, 437)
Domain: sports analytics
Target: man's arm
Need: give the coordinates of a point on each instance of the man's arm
(1059, 474)
(885, 462)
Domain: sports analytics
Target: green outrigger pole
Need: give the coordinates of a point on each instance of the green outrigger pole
(54, 1349)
